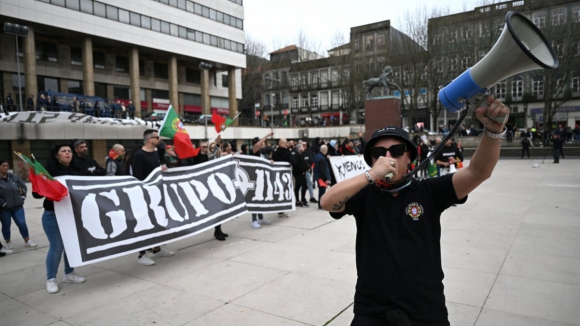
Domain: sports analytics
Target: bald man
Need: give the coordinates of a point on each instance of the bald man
(283, 154)
(115, 163)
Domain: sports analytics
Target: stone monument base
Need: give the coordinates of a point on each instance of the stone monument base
(381, 112)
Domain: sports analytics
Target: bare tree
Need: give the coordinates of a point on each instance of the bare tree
(252, 85)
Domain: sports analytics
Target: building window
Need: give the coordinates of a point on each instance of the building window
(87, 6)
(370, 43)
(189, 6)
(141, 67)
(558, 16)
(73, 4)
(155, 25)
(314, 100)
(122, 64)
(465, 62)
(135, 19)
(75, 87)
(123, 16)
(538, 86)
(575, 49)
(160, 94)
(181, 4)
(99, 60)
(484, 29)
(173, 30)
(438, 65)
(437, 38)
(46, 51)
(112, 13)
(576, 14)
(467, 33)
(160, 70)
(76, 56)
(575, 85)
(500, 90)
(47, 84)
(100, 9)
(539, 19)
(146, 22)
(164, 27)
(58, 2)
(121, 92)
(559, 49)
(517, 88)
(225, 81)
(452, 37)
(304, 99)
(381, 41)
(295, 102)
(182, 32)
(192, 76)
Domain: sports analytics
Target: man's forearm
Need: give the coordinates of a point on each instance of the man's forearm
(337, 196)
(485, 157)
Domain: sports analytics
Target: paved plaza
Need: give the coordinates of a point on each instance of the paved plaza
(511, 256)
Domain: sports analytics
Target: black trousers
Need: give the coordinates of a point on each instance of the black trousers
(300, 185)
(321, 192)
(525, 150)
(403, 320)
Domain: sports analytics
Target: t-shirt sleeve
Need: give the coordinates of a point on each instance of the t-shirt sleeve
(443, 192)
(351, 206)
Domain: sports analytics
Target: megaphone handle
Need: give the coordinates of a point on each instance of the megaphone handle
(482, 103)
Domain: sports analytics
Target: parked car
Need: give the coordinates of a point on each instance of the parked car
(202, 119)
(155, 116)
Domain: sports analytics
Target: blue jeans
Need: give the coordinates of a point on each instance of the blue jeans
(18, 216)
(56, 248)
(255, 217)
(309, 184)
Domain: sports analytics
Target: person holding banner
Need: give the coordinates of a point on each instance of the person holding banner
(258, 144)
(142, 163)
(398, 250)
(283, 154)
(60, 162)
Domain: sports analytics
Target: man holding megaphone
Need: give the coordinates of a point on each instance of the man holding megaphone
(398, 251)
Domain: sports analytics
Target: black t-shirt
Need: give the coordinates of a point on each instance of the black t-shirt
(447, 152)
(143, 163)
(200, 158)
(398, 250)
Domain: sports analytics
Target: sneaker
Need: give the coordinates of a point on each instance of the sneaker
(305, 204)
(283, 215)
(313, 200)
(52, 286)
(264, 222)
(256, 225)
(30, 244)
(8, 245)
(73, 278)
(162, 253)
(6, 251)
(144, 260)
(299, 204)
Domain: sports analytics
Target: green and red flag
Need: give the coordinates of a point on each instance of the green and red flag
(220, 122)
(172, 127)
(42, 182)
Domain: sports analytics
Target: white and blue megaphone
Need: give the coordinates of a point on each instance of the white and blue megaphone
(521, 47)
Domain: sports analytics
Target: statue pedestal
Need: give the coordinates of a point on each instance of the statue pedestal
(381, 112)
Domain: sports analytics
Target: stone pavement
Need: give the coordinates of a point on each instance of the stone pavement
(511, 256)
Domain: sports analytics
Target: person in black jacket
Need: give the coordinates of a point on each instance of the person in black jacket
(309, 158)
(84, 161)
(30, 103)
(299, 173)
(115, 160)
(283, 154)
(557, 141)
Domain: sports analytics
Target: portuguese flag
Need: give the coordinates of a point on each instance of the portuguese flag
(220, 122)
(42, 182)
(171, 127)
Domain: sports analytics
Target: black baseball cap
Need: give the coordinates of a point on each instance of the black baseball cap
(255, 140)
(390, 131)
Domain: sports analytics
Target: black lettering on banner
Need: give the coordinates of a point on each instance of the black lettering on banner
(106, 217)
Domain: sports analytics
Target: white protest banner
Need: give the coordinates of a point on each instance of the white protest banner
(266, 186)
(48, 117)
(346, 167)
(108, 217)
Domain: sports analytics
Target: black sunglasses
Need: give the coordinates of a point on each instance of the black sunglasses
(396, 151)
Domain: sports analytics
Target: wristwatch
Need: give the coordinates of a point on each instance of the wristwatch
(367, 174)
(493, 135)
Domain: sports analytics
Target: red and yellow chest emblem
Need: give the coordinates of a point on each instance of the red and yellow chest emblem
(414, 210)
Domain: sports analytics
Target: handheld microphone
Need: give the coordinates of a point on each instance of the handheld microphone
(389, 176)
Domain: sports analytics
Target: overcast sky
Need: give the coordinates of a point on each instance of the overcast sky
(277, 22)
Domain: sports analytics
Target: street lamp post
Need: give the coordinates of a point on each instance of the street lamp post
(205, 66)
(17, 30)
